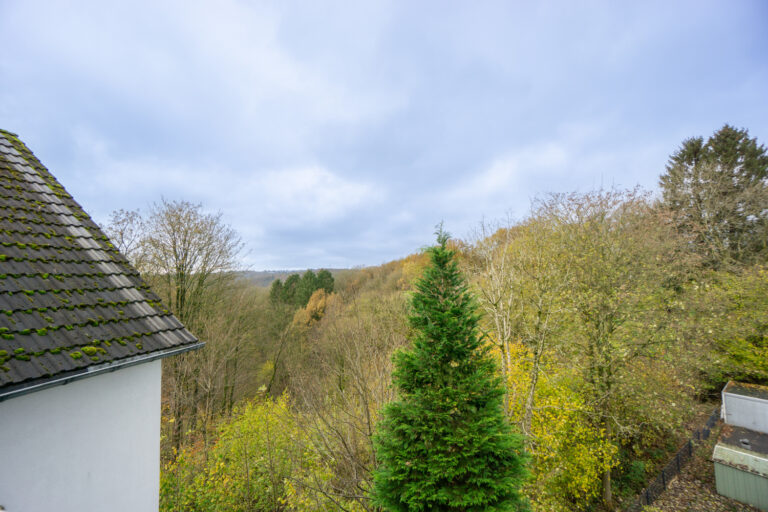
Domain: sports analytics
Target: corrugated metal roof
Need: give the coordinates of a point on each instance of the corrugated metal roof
(743, 448)
(68, 299)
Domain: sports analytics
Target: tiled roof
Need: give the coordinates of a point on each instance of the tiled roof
(70, 303)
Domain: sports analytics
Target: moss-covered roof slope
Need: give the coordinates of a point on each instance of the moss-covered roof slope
(70, 303)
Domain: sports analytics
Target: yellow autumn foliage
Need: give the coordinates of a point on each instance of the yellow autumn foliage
(255, 464)
(411, 268)
(315, 309)
(569, 454)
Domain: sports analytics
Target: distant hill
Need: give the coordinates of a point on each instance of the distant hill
(264, 278)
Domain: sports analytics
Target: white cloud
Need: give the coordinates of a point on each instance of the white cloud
(508, 174)
(309, 195)
(291, 198)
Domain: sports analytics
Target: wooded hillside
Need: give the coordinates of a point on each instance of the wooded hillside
(614, 317)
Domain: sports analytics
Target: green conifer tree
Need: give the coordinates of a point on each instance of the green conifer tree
(719, 193)
(325, 281)
(305, 288)
(445, 444)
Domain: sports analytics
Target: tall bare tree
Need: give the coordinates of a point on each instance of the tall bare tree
(521, 273)
(490, 265)
(127, 230)
(187, 255)
(188, 251)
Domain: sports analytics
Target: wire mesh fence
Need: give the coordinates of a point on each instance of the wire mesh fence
(659, 484)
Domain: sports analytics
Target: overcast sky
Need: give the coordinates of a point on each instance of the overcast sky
(336, 134)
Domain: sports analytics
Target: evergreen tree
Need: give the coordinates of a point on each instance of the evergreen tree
(276, 292)
(445, 444)
(296, 290)
(290, 289)
(325, 281)
(305, 288)
(719, 193)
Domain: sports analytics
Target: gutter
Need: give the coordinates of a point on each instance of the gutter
(90, 371)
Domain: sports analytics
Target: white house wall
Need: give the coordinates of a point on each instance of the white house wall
(90, 445)
(746, 411)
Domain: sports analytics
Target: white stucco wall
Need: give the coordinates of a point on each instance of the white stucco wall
(90, 445)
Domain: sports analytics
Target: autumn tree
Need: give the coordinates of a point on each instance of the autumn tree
(521, 274)
(719, 191)
(187, 256)
(620, 257)
(445, 443)
(248, 467)
(225, 371)
(187, 250)
(340, 380)
(490, 262)
(727, 314)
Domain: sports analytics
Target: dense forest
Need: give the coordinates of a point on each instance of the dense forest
(609, 320)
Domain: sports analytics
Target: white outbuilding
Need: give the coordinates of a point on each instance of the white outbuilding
(745, 405)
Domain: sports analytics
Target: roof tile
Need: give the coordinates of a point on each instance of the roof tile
(68, 299)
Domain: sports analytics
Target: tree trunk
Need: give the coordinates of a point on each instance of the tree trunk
(505, 375)
(534, 379)
(607, 492)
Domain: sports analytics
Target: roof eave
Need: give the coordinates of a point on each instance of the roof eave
(90, 371)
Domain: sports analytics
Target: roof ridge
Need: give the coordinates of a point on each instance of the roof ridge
(8, 132)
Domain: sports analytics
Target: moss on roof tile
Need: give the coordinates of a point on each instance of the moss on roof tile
(65, 291)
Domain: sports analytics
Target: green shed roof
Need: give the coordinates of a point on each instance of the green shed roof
(743, 449)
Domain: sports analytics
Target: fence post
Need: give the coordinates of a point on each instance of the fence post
(664, 478)
(690, 448)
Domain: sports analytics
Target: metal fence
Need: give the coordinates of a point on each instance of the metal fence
(673, 467)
